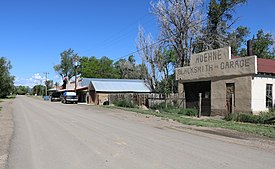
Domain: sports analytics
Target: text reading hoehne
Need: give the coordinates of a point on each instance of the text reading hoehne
(209, 56)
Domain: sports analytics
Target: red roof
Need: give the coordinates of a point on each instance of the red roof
(266, 65)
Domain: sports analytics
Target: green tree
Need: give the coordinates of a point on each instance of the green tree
(143, 72)
(127, 68)
(21, 90)
(218, 30)
(38, 90)
(166, 62)
(6, 80)
(106, 69)
(167, 86)
(49, 84)
(91, 67)
(238, 39)
(65, 68)
(262, 45)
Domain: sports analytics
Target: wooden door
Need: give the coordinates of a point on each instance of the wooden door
(230, 97)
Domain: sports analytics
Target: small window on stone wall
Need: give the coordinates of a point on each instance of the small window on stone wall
(269, 97)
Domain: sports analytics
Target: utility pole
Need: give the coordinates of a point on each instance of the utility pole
(75, 64)
(46, 73)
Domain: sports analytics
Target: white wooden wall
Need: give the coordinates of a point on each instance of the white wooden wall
(258, 101)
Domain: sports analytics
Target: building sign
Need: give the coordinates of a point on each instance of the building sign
(216, 63)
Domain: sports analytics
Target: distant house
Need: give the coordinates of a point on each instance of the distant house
(96, 91)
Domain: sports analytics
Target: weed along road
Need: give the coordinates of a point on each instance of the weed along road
(69, 136)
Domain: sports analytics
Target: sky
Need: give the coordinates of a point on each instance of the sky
(33, 33)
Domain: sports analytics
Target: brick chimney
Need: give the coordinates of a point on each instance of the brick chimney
(249, 48)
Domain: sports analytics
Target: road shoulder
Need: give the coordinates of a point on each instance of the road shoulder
(226, 135)
(6, 130)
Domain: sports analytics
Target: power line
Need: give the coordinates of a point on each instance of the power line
(141, 49)
(119, 38)
(111, 41)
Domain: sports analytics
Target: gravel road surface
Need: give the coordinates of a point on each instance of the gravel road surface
(68, 136)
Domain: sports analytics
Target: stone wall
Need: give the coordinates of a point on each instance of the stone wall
(242, 95)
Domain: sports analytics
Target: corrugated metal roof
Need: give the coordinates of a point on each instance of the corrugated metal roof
(85, 82)
(121, 86)
(117, 85)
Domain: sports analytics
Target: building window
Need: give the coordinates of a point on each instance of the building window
(269, 98)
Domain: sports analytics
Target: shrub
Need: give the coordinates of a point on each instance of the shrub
(174, 109)
(186, 112)
(181, 111)
(191, 112)
(161, 106)
(249, 118)
(124, 103)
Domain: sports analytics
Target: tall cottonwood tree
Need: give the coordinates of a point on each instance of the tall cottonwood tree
(218, 31)
(239, 39)
(147, 48)
(180, 22)
(65, 68)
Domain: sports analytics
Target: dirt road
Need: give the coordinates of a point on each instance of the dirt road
(58, 136)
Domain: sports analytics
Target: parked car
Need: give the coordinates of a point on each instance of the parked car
(69, 97)
(55, 96)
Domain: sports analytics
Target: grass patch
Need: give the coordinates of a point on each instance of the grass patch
(260, 129)
(11, 97)
(124, 103)
(262, 118)
(174, 110)
(8, 97)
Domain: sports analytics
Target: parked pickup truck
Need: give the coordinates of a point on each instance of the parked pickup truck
(55, 96)
(69, 97)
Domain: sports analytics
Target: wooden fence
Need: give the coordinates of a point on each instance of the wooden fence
(149, 99)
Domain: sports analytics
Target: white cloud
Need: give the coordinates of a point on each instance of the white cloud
(56, 77)
(36, 79)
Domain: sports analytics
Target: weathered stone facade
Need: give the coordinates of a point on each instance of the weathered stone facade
(228, 78)
(242, 95)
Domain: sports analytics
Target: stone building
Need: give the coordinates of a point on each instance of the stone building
(228, 84)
